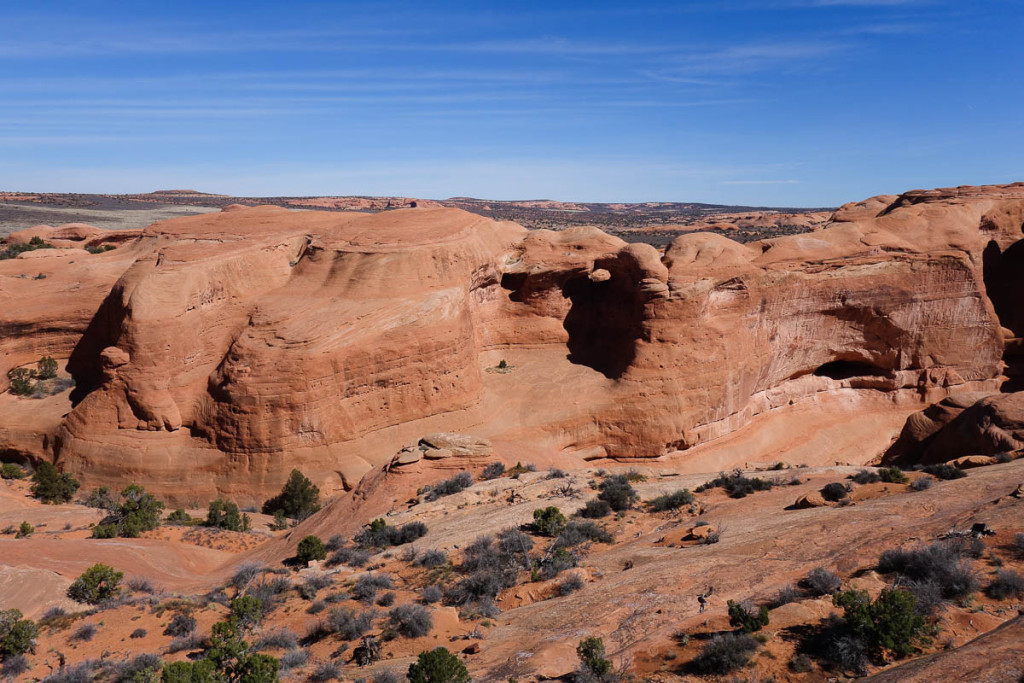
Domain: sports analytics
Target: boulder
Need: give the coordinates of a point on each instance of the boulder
(810, 500)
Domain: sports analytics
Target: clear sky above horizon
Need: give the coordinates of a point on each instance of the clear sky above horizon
(757, 102)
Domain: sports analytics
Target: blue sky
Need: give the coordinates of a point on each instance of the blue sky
(766, 102)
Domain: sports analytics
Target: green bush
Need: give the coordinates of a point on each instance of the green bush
(311, 548)
(889, 623)
(298, 499)
(743, 616)
(25, 530)
(97, 584)
(16, 634)
(11, 471)
(229, 657)
(736, 484)
(12, 250)
(46, 368)
(104, 531)
(51, 486)
(618, 492)
(671, 501)
(548, 521)
(945, 471)
(893, 475)
(139, 511)
(179, 516)
(595, 509)
(592, 660)
(224, 514)
(438, 666)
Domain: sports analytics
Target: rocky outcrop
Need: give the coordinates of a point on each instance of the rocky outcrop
(242, 344)
(952, 429)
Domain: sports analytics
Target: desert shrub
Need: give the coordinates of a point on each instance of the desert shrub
(548, 521)
(945, 471)
(1018, 543)
(25, 529)
(192, 641)
(267, 591)
(247, 573)
(595, 509)
(890, 623)
(594, 666)
(479, 587)
(14, 666)
(353, 557)
(51, 486)
(335, 543)
(348, 625)
(52, 614)
(786, 595)
(379, 534)
(411, 621)
(139, 669)
(83, 672)
(46, 368)
(571, 584)
(800, 664)
(316, 607)
(922, 484)
(671, 501)
(1007, 584)
(431, 594)
(138, 633)
(448, 487)
(520, 468)
(313, 584)
(635, 476)
(16, 634)
(299, 498)
(278, 638)
(179, 517)
(736, 484)
(140, 584)
(367, 586)
(431, 558)
(821, 581)
(834, 492)
(556, 473)
(940, 564)
(866, 477)
(493, 471)
(96, 584)
(11, 471)
(293, 659)
(139, 511)
(892, 475)
(746, 618)
(618, 492)
(224, 514)
(83, 634)
(310, 548)
(556, 562)
(104, 531)
(325, 671)
(725, 653)
(386, 600)
(577, 532)
(438, 666)
(280, 522)
(180, 625)
(102, 499)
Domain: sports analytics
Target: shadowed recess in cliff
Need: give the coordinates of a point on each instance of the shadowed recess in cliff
(604, 322)
(104, 330)
(1004, 282)
(846, 369)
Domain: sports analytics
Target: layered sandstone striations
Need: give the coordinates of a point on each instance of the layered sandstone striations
(241, 344)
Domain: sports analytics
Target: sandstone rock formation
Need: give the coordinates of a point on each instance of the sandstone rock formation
(236, 346)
